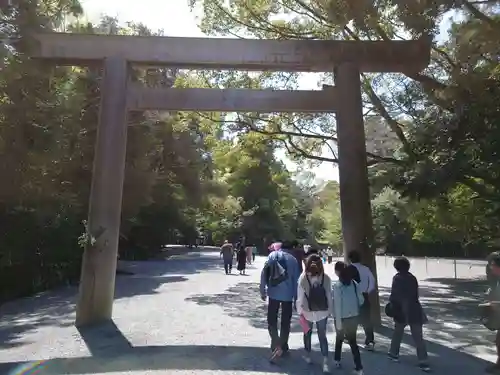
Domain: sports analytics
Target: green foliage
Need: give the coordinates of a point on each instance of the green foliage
(186, 174)
(435, 184)
(444, 119)
(325, 220)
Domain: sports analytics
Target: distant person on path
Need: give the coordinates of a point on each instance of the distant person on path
(248, 250)
(242, 260)
(492, 278)
(364, 277)
(329, 255)
(405, 309)
(492, 307)
(347, 302)
(315, 304)
(226, 253)
(254, 253)
(278, 281)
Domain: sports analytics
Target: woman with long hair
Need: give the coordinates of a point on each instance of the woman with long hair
(347, 299)
(315, 304)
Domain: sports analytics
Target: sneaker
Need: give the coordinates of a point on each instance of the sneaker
(393, 357)
(276, 354)
(307, 359)
(326, 368)
(358, 372)
(424, 367)
(338, 365)
(370, 346)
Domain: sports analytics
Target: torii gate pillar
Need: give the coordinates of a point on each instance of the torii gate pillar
(97, 282)
(357, 226)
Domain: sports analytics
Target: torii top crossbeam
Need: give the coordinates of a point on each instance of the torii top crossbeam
(241, 54)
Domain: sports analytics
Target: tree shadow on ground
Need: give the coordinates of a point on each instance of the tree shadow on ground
(111, 352)
(444, 359)
(452, 308)
(57, 307)
(243, 301)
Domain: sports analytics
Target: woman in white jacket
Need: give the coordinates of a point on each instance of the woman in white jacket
(314, 304)
(347, 299)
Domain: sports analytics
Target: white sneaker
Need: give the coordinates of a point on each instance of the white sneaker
(307, 359)
(370, 347)
(326, 368)
(338, 365)
(358, 372)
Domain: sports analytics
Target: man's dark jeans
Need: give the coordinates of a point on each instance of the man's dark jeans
(366, 320)
(273, 308)
(228, 265)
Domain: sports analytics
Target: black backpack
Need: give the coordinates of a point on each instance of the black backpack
(277, 271)
(317, 298)
(354, 273)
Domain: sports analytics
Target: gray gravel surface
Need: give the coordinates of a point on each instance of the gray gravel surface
(184, 316)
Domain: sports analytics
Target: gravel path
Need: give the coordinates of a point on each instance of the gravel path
(185, 316)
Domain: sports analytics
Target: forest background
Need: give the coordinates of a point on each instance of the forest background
(433, 140)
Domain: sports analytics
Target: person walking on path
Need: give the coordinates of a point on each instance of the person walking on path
(315, 304)
(347, 302)
(248, 251)
(364, 277)
(226, 253)
(405, 309)
(329, 255)
(278, 281)
(490, 310)
(254, 253)
(242, 260)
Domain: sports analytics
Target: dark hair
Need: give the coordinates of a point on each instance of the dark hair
(314, 265)
(345, 276)
(402, 264)
(295, 243)
(312, 251)
(287, 244)
(354, 256)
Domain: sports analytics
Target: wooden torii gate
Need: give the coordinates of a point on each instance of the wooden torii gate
(116, 53)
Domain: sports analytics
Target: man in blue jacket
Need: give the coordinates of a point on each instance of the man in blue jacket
(278, 281)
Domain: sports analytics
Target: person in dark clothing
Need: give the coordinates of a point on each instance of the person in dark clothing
(405, 309)
(299, 254)
(493, 275)
(226, 253)
(242, 260)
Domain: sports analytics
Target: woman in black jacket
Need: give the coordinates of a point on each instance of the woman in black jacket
(405, 308)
